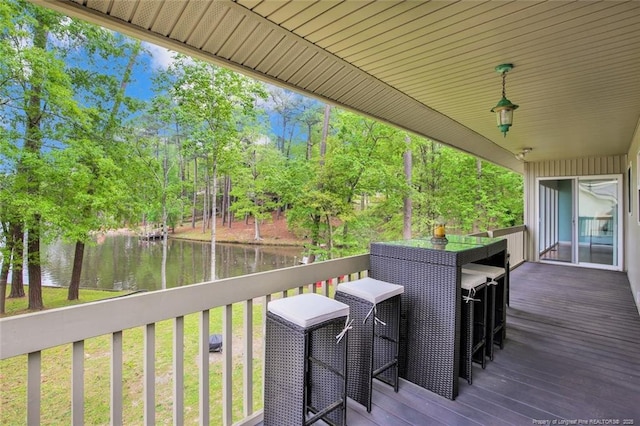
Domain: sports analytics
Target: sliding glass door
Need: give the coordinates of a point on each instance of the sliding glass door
(579, 221)
(556, 211)
(598, 221)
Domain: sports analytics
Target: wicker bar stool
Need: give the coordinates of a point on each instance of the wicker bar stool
(374, 338)
(306, 361)
(473, 323)
(496, 302)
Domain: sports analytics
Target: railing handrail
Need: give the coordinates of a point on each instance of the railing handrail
(506, 231)
(93, 319)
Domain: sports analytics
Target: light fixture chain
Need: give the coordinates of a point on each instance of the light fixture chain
(504, 77)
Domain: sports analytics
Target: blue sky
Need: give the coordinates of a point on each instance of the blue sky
(158, 58)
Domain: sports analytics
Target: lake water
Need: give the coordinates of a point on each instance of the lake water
(124, 262)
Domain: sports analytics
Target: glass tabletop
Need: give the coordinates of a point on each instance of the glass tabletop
(455, 243)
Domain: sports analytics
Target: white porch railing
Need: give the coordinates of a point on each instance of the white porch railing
(515, 242)
(236, 390)
(515, 237)
(31, 334)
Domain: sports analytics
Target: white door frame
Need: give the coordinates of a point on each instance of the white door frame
(574, 237)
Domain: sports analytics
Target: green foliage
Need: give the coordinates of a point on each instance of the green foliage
(84, 167)
(256, 183)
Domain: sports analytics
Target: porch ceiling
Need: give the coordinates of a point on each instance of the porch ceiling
(427, 67)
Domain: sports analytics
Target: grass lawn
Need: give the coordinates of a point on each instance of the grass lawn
(56, 297)
(56, 371)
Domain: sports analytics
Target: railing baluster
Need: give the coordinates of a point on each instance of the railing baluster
(178, 371)
(33, 387)
(248, 358)
(227, 365)
(116, 378)
(150, 375)
(325, 288)
(204, 368)
(77, 384)
(265, 302)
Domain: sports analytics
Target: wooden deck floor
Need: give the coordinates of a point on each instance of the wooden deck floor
(572, 355)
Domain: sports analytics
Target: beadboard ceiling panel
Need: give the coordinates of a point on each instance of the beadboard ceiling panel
(427, 67)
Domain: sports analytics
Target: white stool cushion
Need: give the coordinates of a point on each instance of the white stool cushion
(470, 281)
(308, 309)
(374, 291)
(491, 272)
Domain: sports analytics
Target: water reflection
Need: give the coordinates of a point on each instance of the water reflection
(123, 262)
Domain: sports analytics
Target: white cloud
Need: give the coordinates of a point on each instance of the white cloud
(161, 58)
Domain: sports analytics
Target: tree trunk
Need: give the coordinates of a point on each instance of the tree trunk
(165, 242)
(17, 241)
(315, 229)
(34, 267)
(229, 215)
(205, 203)
(181, 166)
(213, 223)
(256, 226)
(225, 194)
(4, 273)
(165, 214)
(33, 145)
(309, 143)
(406, 231)
(74, 285)
(194, 204)
(325, 133)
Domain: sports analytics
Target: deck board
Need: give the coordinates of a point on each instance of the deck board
(572, 353)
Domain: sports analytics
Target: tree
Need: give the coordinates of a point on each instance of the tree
(61, 112)
(39, 97)
(160, 164)
(311, 116)
(288, 106)
(105, 126)
(209, 98)
(256, 183)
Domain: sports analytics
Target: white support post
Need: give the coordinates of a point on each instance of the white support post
(248, 358)
(204, 368)
(227, 365)
(77, 384)
(116, 378)
(33, 387)
(265, 302)
(150, 375)
(178, 371)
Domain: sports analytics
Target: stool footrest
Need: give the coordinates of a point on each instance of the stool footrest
(387, 338)
(384, 368)
(327, 366)
(320, 414)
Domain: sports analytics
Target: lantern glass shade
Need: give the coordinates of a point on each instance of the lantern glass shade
(505, 116)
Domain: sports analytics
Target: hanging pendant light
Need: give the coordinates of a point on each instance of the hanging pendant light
(504, 109)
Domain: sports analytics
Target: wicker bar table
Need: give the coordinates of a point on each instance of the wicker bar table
(431, 303)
